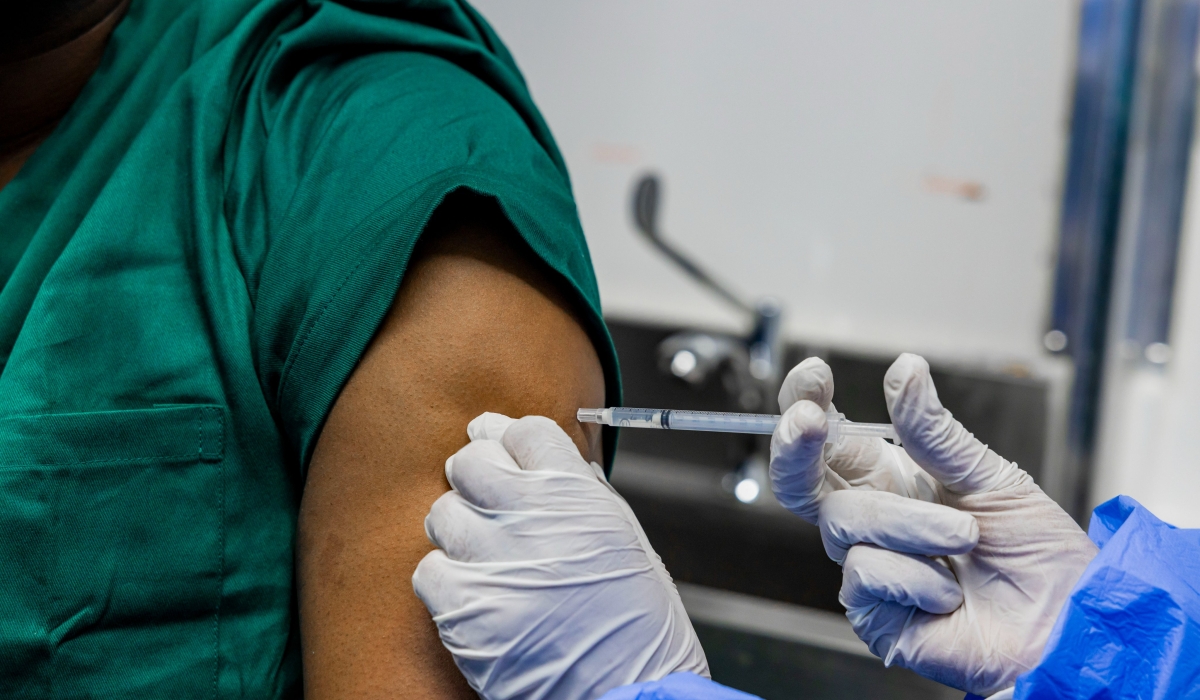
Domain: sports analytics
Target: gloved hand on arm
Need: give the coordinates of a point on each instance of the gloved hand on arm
(955, 564)
(544, 584)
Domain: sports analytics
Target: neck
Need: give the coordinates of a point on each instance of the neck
(36, 90)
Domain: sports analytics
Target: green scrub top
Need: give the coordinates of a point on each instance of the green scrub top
(192, 265)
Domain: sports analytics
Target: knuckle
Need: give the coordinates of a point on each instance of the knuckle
(476, 450)
(855, 562)
(838, 503)
(534, 425)
(440, 512)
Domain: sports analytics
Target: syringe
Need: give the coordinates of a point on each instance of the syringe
(718, 422)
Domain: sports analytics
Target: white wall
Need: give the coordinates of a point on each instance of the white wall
(807, 149)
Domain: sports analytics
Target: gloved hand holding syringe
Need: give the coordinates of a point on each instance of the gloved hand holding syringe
(719, 422)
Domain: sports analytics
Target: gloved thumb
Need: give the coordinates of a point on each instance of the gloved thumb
(537, 443)
(934, 439)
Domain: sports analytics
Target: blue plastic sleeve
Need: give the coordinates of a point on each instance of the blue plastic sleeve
(678, 686)
(1131, 627)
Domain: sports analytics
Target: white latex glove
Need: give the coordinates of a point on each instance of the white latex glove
(543, 584)
(1007, 556)
(804, 470)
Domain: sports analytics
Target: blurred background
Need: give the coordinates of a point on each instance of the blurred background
(1000, 186)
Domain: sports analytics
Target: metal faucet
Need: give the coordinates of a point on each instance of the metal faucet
(750, 364)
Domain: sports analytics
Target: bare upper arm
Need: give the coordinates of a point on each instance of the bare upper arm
(477, 326)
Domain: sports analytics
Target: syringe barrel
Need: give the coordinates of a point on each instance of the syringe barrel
(714, 422)
(672, 419)
(719, 422)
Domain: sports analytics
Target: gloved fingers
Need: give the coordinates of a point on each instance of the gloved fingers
(488, 426)
(880, 626)
(934, 439)
(856, 459)
(539, 444)
(811, 380)
(432, 582)
(446, 586)
(871, 575)
(487, 476)
(866, 463)
(852, 517)
(564, 526)
(799, 476)
(482, 471)
(456, 528)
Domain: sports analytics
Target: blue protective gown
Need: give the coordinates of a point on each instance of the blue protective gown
(1130, 629)
(678, 686)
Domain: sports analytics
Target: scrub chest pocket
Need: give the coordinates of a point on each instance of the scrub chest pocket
(111, 552)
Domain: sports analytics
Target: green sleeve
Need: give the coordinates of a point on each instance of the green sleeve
(357, 153)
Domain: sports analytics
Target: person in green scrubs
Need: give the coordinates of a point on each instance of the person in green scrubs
(261, 261)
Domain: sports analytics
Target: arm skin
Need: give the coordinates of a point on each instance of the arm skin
(477, 326)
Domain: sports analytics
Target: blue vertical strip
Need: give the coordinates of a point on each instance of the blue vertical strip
(1172, 97)
(1108, 34)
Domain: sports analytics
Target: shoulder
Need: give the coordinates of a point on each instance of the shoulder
(401, 100)
(361, 130)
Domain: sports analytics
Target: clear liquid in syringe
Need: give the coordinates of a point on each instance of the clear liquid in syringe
(721, 422)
